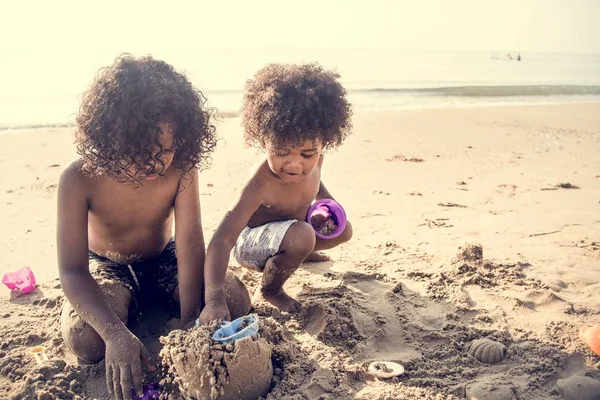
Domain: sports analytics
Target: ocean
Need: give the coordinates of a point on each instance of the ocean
(375, 80)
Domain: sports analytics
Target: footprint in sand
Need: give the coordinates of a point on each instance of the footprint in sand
(315, 318)
(507, 191)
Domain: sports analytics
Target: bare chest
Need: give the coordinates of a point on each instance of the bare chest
(126, 206)
(287, 201)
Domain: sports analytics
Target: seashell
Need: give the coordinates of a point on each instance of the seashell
(483, 391)
(579, 388)
(488, 351)
(385, 369)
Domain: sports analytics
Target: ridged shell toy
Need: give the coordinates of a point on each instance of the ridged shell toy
(488, 351)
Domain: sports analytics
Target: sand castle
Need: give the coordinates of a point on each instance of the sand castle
(205, 369)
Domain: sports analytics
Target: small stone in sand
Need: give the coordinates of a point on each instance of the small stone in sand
(579, 388)
(471, 252)
(484, 391)
(567, 186)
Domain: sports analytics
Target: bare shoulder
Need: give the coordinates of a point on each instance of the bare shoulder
(185, 179)
(72, 175)
(259, 177)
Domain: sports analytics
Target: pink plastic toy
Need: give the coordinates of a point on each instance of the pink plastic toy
(325, 209)
(22, 280)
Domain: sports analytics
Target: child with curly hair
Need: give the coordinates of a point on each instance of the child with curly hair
(293, 112)
(142, 133)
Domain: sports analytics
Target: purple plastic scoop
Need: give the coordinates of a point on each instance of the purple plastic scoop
(325, 209)
(150, 392)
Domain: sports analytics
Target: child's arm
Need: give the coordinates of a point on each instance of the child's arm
(323, 193)
(219, 248)
(123, 349)
(189, 242)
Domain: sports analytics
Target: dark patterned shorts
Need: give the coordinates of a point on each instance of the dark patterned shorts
(151, 279)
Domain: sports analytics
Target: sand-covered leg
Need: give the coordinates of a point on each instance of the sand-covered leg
(297, 244)
(79, 336)
(324, 244)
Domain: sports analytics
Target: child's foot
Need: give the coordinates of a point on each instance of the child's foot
(281, 300)
(316, 256)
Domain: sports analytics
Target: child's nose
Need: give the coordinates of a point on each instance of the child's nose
(295, 163)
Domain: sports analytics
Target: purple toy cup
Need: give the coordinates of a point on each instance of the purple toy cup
(150, 392)
(336, 210)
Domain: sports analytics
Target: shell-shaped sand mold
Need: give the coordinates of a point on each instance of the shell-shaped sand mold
(385, 369)
(579, 388)
(483, 391)
(488, 351)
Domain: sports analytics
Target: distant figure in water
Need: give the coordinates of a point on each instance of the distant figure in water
(519, 57)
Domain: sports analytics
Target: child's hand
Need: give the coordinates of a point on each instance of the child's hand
(125, 355)
(214, 311)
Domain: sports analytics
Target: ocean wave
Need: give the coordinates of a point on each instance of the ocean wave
(9, 127)
(491, 91)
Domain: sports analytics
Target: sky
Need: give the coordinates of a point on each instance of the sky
(70, 40)
(78, 27)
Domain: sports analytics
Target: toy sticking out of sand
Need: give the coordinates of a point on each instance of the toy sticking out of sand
(207, 370)
(39, 353)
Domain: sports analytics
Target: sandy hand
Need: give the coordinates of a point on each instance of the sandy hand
(214, 311)
(125, 355)
(328, 227)
(322, 221)
(319, 216)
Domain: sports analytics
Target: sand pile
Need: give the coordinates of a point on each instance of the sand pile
(349, 320)
(21, 376)
(204, 369)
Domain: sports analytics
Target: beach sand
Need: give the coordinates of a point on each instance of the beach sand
(468, 224)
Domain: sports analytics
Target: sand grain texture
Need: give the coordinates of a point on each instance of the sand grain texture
(417, 284)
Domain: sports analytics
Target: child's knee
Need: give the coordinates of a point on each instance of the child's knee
(347, 234)
(79, 337)
(238, 297)
(299, 240)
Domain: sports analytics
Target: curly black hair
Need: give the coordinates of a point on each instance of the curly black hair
(118, 121)
(287, 104)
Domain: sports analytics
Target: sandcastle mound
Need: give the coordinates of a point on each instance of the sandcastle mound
(207, 370)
